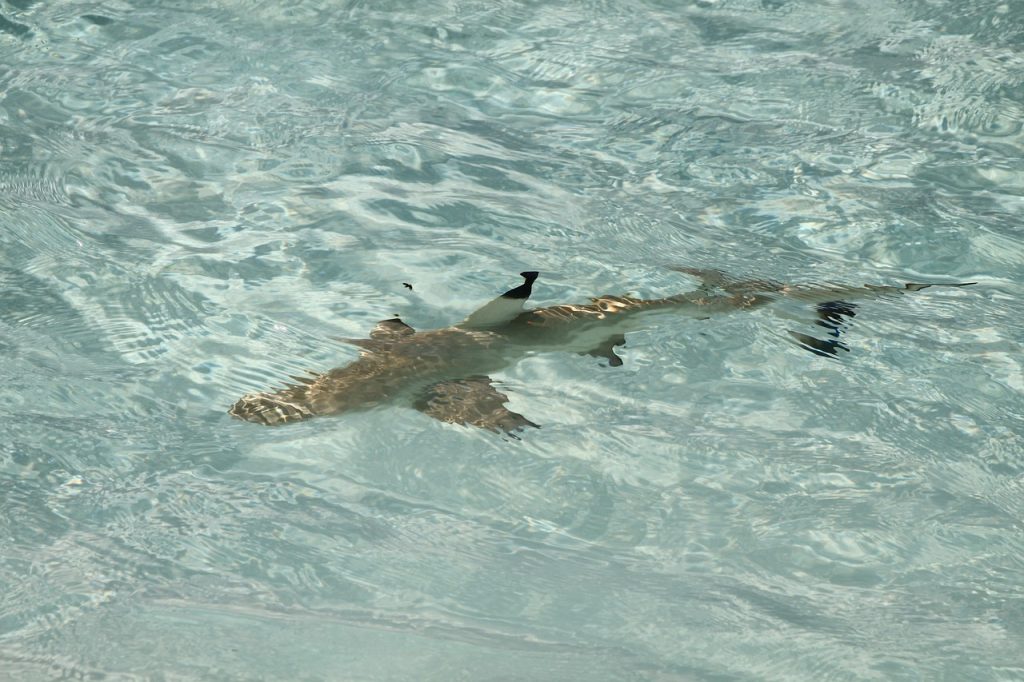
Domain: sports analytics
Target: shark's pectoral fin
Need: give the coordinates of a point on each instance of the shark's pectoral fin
(472, 401)
(368, 345)
(385, 333)
(606, 349)
(503, 309)
(833, 316)
(390, 330)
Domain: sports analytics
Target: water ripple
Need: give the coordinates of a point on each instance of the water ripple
(196, 201)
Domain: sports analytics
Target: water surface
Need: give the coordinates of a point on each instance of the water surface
(195, 199)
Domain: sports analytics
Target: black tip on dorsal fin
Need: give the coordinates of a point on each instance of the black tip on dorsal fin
(526, 288)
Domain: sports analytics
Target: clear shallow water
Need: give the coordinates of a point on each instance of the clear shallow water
(193, 201)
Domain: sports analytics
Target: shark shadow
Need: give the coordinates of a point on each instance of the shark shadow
(443, 373)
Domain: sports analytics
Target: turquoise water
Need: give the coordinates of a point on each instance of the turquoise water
(196, 198)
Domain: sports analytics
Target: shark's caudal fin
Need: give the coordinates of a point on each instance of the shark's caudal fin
(503, 309)
(715, 279)
(835, 315)
(831, 302)
(910, 286)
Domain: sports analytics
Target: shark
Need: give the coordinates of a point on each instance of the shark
(445, 373)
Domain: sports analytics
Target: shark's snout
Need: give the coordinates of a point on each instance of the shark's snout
(269, 409)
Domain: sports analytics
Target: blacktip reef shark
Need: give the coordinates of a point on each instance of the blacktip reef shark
(444, 372)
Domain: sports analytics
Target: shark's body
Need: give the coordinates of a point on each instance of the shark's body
(444, 372)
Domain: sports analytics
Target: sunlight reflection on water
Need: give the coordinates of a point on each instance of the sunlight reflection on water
(196, 203)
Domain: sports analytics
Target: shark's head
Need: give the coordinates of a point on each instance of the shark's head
(299, 402)
(341, 390)
(269, 408)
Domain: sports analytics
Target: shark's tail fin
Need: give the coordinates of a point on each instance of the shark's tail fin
(833, 303)
(835, 315)
(715, 279)
(911, 286)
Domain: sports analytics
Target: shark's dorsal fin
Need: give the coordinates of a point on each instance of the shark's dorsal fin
(503, 309)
